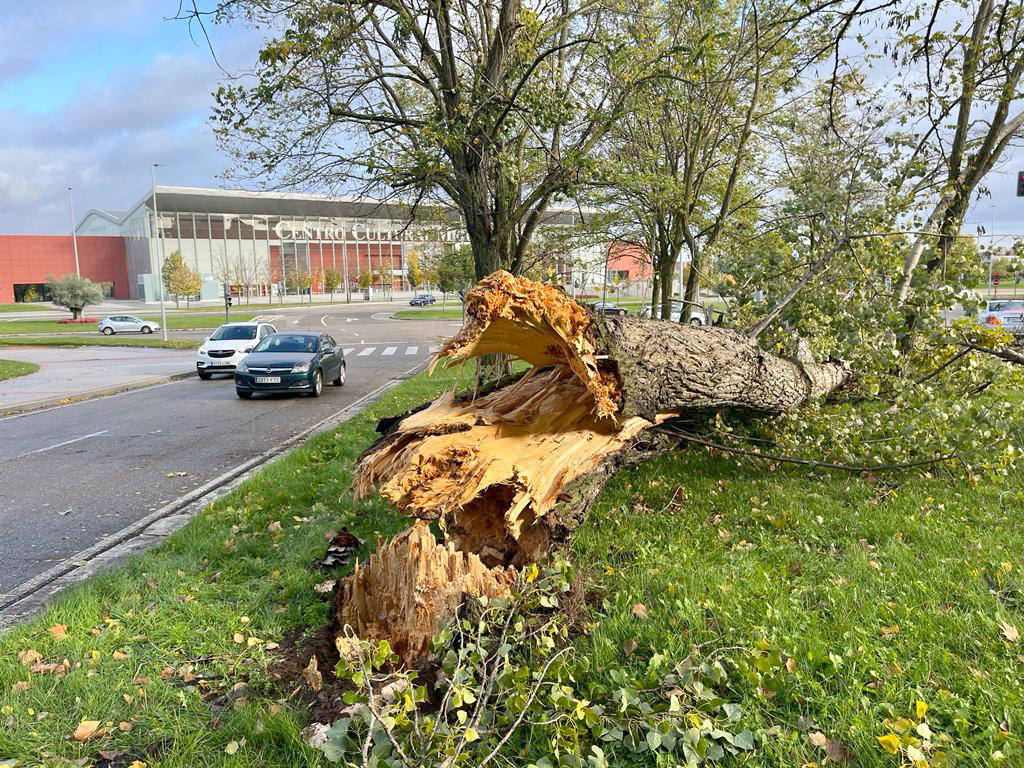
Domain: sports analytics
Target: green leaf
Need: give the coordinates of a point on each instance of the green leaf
(653, 739)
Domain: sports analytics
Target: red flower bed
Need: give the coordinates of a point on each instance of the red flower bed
(66, 320)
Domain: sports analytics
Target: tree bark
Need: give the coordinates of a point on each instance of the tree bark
(510, 472)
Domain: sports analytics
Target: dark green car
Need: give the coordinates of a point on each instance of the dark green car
(291, 362)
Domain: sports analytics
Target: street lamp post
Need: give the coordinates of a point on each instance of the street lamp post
(74, 233)
(160, 248)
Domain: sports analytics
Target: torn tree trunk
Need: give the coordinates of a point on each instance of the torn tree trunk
(509, 473)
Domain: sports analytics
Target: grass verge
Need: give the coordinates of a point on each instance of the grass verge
(152, 646)
(12, 369)
(19, 307)
(844, 609)
(98, 341)
(174, 323)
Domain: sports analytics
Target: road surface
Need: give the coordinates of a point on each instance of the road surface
(76, 474)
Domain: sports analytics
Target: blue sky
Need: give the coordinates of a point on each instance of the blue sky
(90, 97)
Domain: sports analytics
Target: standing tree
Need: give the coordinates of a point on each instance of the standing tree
(415, 273)
(73, 293)
(495, 107)
(173, 264)
(186, 282)
(454, 268)
(365, 280)
(332, 279)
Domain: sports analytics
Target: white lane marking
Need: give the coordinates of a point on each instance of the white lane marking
(296, 322)
(322, 319)
(389, 351)
(351, 319)
(366, 351)
(411, 350)
(348, 351)
(434, 349)
(271, 318)
(61, 445)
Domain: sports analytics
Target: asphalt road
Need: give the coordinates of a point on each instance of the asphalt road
(71, 476)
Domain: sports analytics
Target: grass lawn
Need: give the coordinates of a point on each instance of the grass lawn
(176, 323)
(11, 369)
(152, 340)
(834, 603)
(20, 307)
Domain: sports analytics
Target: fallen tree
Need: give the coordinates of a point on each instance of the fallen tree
(509, 473)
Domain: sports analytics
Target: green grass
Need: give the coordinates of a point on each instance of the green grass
(174, 323)
(182, 603)
(12, 369)
(833, 601)
(22, 307)
(99, 341)
(429, 314)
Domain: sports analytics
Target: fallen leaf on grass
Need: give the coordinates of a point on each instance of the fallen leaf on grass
(231, 748)
(324, 587)
(125, 727)
(29, 657)
(890, 743)
(818, 738)
(271, 646)
(59, 630)
(21, 685)
(119, 655)
(1009, 631)
(274, 527)
(137, 764)
(85, 730)
(640, 611)
(239, 638)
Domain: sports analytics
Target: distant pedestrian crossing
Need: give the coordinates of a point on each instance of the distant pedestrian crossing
(390, 350)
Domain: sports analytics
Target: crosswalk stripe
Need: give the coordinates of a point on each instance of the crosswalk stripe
(390, 351)
(366, 351)
(411, 350)
(434, 349)
(348, 350)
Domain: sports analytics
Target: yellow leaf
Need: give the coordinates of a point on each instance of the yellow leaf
(915, 755)
(85, 730)
(1009, 631)
(921, 708)
(239, 638)
(471, 734)
(59, 630)
(137, 764)
(94, 657)
(890, 743)
(252, 641)
(231, 748)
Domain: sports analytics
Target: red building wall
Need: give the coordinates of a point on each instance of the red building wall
(629, 257)
(32, 258)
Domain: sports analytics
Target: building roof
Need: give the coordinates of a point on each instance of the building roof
(171, 199)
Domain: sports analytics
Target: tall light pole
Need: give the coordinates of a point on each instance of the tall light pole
(74, 233)
(160, 248)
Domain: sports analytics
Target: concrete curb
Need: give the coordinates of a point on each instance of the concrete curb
(31, 596)
(92, 394)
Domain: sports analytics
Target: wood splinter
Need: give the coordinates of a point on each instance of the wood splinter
(511, 472)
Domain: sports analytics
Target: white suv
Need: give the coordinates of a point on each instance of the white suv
(223, 350)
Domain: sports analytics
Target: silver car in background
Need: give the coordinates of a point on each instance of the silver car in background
(126, 324)
(698, 315)
(1005, 313)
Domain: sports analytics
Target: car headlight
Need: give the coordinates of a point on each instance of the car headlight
(300, 368)
(242, 367)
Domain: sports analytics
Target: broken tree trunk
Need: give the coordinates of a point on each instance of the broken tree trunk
(509, 473)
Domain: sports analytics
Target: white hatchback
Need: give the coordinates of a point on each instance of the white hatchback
(1008, 314)
(226, 346)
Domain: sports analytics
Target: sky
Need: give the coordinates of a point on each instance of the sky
(89, 98)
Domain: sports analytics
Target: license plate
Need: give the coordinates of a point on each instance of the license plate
(268, 379)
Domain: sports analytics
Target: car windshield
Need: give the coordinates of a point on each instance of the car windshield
(286, 342)
(234, 333)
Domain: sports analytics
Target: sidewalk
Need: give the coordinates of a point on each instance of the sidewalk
(77, 374)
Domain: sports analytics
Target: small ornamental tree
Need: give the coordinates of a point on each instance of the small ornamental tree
(185, 282)
(332, 279)
(73, 293)
(415, 273)
(173, 265)
(365, 280)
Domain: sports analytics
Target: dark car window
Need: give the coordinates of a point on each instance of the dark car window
(329, 341)
(234, 333)
(287, 342)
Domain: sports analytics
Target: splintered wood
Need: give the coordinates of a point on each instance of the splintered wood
(409, 587)
(492, 468)
(507, 473)
(536, 323)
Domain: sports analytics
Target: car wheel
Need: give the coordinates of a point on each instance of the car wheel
(696, 321)
(240, 392)
(204, 375)
(146, 329)
(108, 331)
(318, 384)
(340, 381)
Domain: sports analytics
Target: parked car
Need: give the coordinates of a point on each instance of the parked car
(291, 362)
(698, 314)
(226, 347)
(422, 301)
(1006, 313)
(607, 308)
(126, 324)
